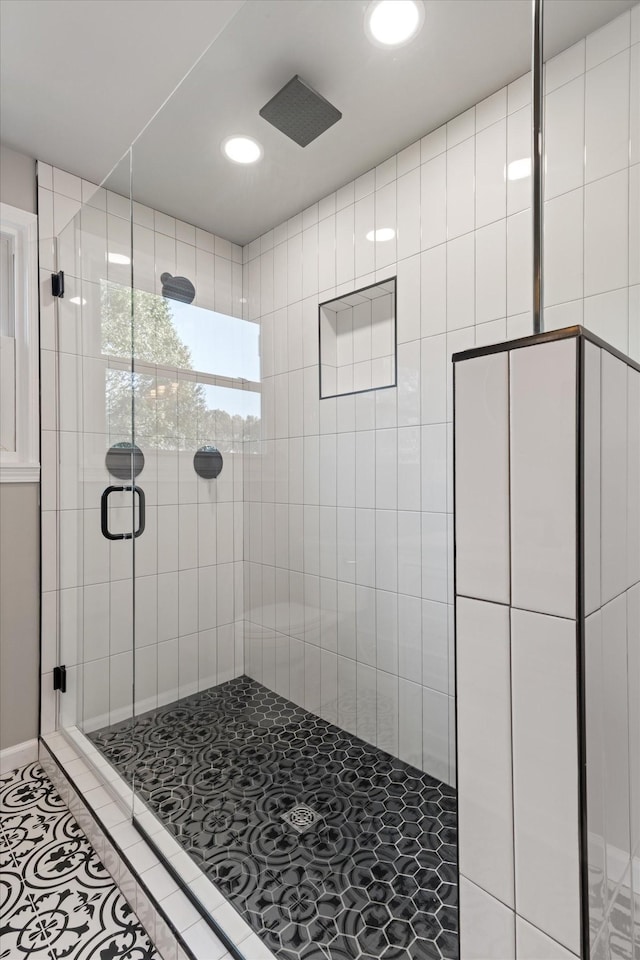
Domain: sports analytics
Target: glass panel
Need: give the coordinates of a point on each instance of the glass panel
(291, 726)
(97, 509)
(294, 690)
(294, 626)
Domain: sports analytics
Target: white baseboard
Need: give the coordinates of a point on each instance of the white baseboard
(17, 756)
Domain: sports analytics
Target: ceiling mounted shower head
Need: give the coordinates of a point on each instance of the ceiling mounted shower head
(299, 112)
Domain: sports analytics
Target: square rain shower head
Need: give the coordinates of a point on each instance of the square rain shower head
(299, 112)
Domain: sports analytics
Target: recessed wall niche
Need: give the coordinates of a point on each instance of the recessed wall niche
(358, 341)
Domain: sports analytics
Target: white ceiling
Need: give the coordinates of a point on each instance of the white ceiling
(81, 78)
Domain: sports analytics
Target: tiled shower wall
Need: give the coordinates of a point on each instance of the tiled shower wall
(188, 562)
(592, 185)
(348, 527)
(612, 650)
(516, 586)
(523, 613)
(345, 529)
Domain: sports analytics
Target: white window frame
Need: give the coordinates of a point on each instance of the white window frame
(23, 464)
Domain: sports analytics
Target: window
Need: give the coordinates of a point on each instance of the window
(196, 370)
(18, 346)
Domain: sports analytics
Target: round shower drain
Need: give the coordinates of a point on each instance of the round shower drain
(301, 817)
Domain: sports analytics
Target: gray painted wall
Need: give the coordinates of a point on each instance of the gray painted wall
(19, 542)
(19, 612)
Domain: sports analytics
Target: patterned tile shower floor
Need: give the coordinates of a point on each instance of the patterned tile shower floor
(374, 876)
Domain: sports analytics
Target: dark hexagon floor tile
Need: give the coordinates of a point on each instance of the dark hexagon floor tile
(424, 950)
(372, 941)
(402, 908)
(343, 948)
(330, 906)
(448, 917)
(384, 871)
(374, 879)
(448, 893)
(448, 872)
(376, 915)
(380, 892)
(448, 943)
(395, 953)
(399, 933)
(295, 937)
(426, 926)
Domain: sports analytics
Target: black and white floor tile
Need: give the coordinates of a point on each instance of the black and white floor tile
(56, 898)
(373, 875)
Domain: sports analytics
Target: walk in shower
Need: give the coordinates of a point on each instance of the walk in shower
(247, 448)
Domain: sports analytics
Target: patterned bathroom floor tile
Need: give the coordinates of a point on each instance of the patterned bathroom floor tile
(85, 922)
(57, 900)
(21, 932)
(327, 846)
(49, 844)
(26, 788)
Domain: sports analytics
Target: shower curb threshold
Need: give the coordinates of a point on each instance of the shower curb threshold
(185, 915)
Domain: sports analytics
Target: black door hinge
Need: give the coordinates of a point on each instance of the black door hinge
(60, 679)
(57, 284)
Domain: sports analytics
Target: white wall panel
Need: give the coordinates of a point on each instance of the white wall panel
(482, 477)
(614, 530)
(545, 774)
(543, 486)
(532, 944)
(485, 785)
(592, 477)
(487, 927)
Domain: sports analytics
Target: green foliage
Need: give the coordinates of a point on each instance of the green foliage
(164, 408)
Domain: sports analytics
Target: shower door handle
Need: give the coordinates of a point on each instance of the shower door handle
(104, 513)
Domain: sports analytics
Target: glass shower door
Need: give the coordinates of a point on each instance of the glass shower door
(100, 509)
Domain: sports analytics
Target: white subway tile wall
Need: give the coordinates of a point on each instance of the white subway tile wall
(341, 562)
(518, 666)
(459, 209)
(612, 632)
(487, 926)
(592, 173)
(485, 778)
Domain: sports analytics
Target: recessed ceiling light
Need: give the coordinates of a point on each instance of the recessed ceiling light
(379, 236)
(519, 169)
(242, 149)
(390, 23)
(79, 301)
(118, 258)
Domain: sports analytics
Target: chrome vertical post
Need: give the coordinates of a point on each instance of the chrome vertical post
(537, 160)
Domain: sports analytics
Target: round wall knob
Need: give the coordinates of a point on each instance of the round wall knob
(124, 460)
(208, 462)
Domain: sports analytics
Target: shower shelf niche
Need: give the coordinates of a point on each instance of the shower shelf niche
(358, 341)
